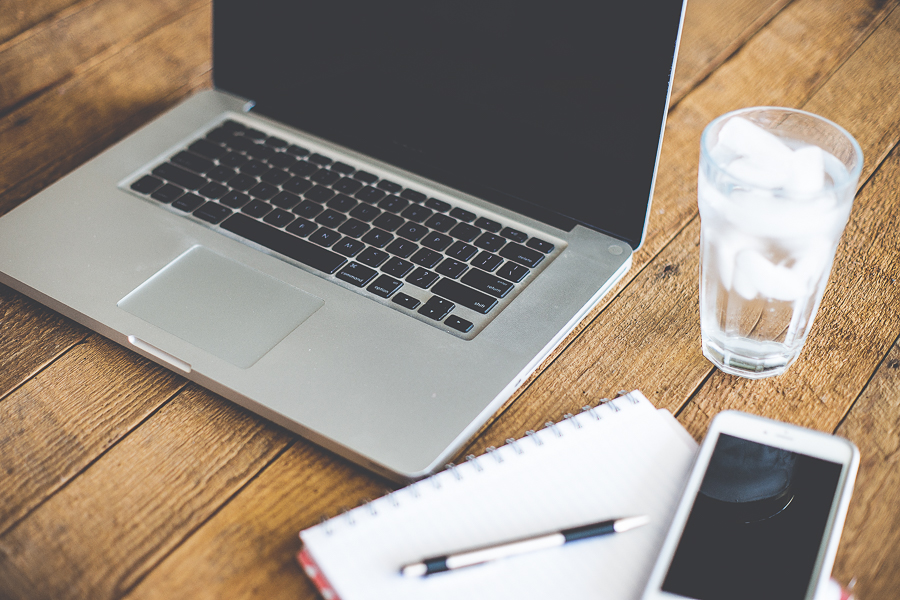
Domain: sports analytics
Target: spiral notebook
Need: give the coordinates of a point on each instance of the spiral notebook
(621, 458)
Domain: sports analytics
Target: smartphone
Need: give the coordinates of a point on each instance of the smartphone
(761, 514)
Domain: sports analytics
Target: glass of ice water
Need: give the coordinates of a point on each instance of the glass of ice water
(775, 189)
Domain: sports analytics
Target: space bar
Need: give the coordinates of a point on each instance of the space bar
(284, 243)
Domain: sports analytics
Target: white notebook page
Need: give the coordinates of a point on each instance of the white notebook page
(632, 460)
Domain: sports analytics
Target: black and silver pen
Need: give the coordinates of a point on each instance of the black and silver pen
(477, 556)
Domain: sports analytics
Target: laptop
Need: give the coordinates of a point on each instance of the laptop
(379, 222)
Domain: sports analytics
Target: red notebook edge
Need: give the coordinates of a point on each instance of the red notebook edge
(312, 570)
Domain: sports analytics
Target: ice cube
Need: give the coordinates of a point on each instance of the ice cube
(807, 171)
(754, 275)
(763, 174)
(748, 140)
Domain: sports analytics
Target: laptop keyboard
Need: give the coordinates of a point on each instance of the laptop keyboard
(442, 263)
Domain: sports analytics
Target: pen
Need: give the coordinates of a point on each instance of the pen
(477, 556)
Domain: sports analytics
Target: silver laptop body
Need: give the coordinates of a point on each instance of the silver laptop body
(386, 387)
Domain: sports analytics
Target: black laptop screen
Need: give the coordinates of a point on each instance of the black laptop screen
(551, 108)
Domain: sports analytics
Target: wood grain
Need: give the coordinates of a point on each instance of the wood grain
(108, 527)
(60, 421)
(17, 16)
(32, 337)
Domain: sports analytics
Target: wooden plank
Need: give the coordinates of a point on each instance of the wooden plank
(259, 530)
(55, 49)
(105, 102)
(870, 547)
(17, 16)
(662, 355)
(31, 336)
(61, 420)
(104, 531)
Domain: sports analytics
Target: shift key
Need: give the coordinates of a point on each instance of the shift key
(464, 295)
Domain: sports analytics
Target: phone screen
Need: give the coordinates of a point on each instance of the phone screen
(756, 526)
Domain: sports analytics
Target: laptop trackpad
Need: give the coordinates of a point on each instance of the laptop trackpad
(228, 309)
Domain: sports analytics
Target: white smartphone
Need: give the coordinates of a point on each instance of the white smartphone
(761, 515)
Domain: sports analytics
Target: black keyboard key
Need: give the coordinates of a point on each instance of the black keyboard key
(512, 271)
(378, 238)
(390, 186)
(343, 168)
(232, 125)
(487, 283)
(324, 237)
(422, 278)
(417, 213)
(413, 195)
(412, 231)
(522, 255)
(285, 200)
(296, 150)
(486, 261)
(254, 134)
(406, 301)
(303, 169)
(342, 203)
(490, 242)
(221, 173)
(179, 176)
(233, 159)
(488, 225)
(393, 204)
(540, 245)
(462, 251)
(438, 205)
(365, 212)
(239, 143)
(463, 215)
(167, 193)
(221, 135)
(234, 199)
(257, 208)
(308, 209)
(284, 243)
(372, 257)
(276, 142)
(347, 185)
(207, 149)
(348, 247)
(325, 177)
(189, 202)
(259, 151)
(436, 308)
(388, 221)
(458, 324)
(369, 194)
(356, 274)
(195, 163)
(279, 218)
(402, 248)
(437, 241)
(263, 191)
(514, 235)
(213, 190)
(275, 176)
(397, 267)
(319, 193)
(451, 268)
(146, 184)
(282, 160)
(464, 295)
(425, 257)
(465, 232)
(385, 286)
(297, 185)
(353, 228)
(320, 160)
(441, 223)
(255, 168)
(331, 218)
(212, 212)
(365, 177)
(301, 227)
(242, 182)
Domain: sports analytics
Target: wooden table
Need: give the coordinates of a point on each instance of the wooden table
(120, 479)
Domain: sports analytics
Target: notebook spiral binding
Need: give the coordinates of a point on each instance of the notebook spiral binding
(494, 452)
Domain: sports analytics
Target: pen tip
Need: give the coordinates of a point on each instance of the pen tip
(630, 523)
(414, 570)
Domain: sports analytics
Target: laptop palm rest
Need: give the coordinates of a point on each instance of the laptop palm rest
(221, 306)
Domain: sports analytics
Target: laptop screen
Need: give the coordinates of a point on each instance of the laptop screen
(553, 109)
